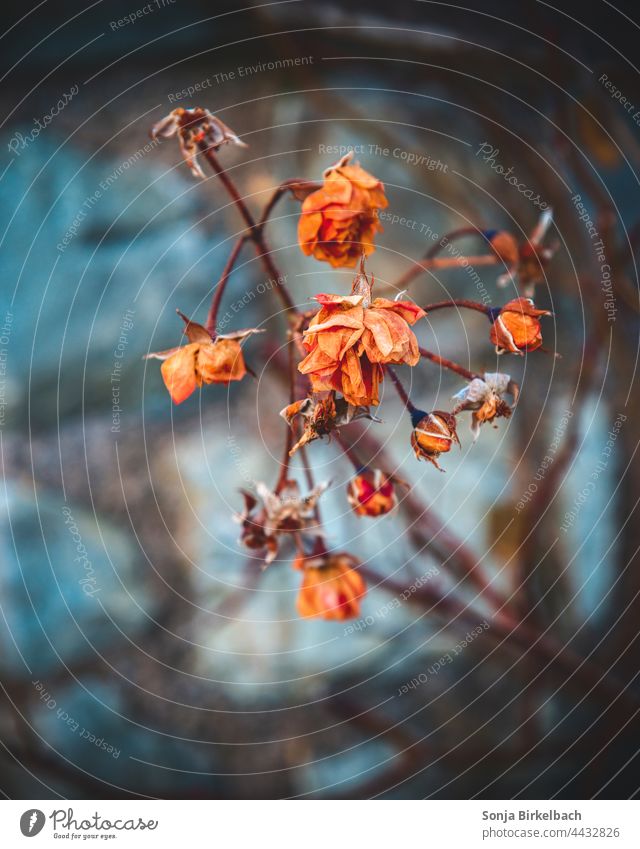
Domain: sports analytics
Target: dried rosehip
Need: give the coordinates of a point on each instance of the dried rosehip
(331, 586)
(433, 434)
(516, 327)
(371, 493)
(339, 221)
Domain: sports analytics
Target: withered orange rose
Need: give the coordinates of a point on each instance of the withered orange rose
(204, 360)
(516, 328)
(350, 338)
(331, 587)
(339, 221)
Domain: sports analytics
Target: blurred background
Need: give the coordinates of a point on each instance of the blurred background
(142, 653)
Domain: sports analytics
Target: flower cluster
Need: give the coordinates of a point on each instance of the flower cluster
(342, 352)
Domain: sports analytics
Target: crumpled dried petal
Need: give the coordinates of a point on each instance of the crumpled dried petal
(331, 586)
(322, 413)
(339, 221)
(516, 328)
(195, 128)
(483, 396)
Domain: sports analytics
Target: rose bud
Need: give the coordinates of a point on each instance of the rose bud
(433, 434)
(516, 327)
(331, 587)
(339, 221)
(371, 493)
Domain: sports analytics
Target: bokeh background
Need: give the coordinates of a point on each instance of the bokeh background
(142, 653)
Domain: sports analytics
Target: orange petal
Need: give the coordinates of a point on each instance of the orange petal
(221, 362)
(179, 373)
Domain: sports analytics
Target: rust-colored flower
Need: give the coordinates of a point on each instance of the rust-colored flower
(433, 434)
(283, 513)
(322, 413)
(525, 262)
(516, 327)
(331, 586)
(350, 338)
(203, 360)
(483, 396)
(339, 221)
(371, 493)
(195, 128)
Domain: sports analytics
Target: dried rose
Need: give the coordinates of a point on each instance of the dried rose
(204, 360)
(195, 128)
(339, 221)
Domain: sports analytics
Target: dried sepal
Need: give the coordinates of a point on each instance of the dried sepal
(483, 397)
(283, 513)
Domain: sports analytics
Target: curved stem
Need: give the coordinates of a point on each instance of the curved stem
(288, 185)
(438, 263)
(288, 443)
(458, 302)
(350, 454)
(444, 242)
(254, 230)
(212, 318)
(442, 361)
(402, 392)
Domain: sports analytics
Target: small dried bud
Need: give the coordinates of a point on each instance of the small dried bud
(371, 493)
(433, 434)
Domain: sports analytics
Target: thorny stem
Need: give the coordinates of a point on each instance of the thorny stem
(458, 302)
(402, 392)
(212, 318)
(254, 230)
(442, 361)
